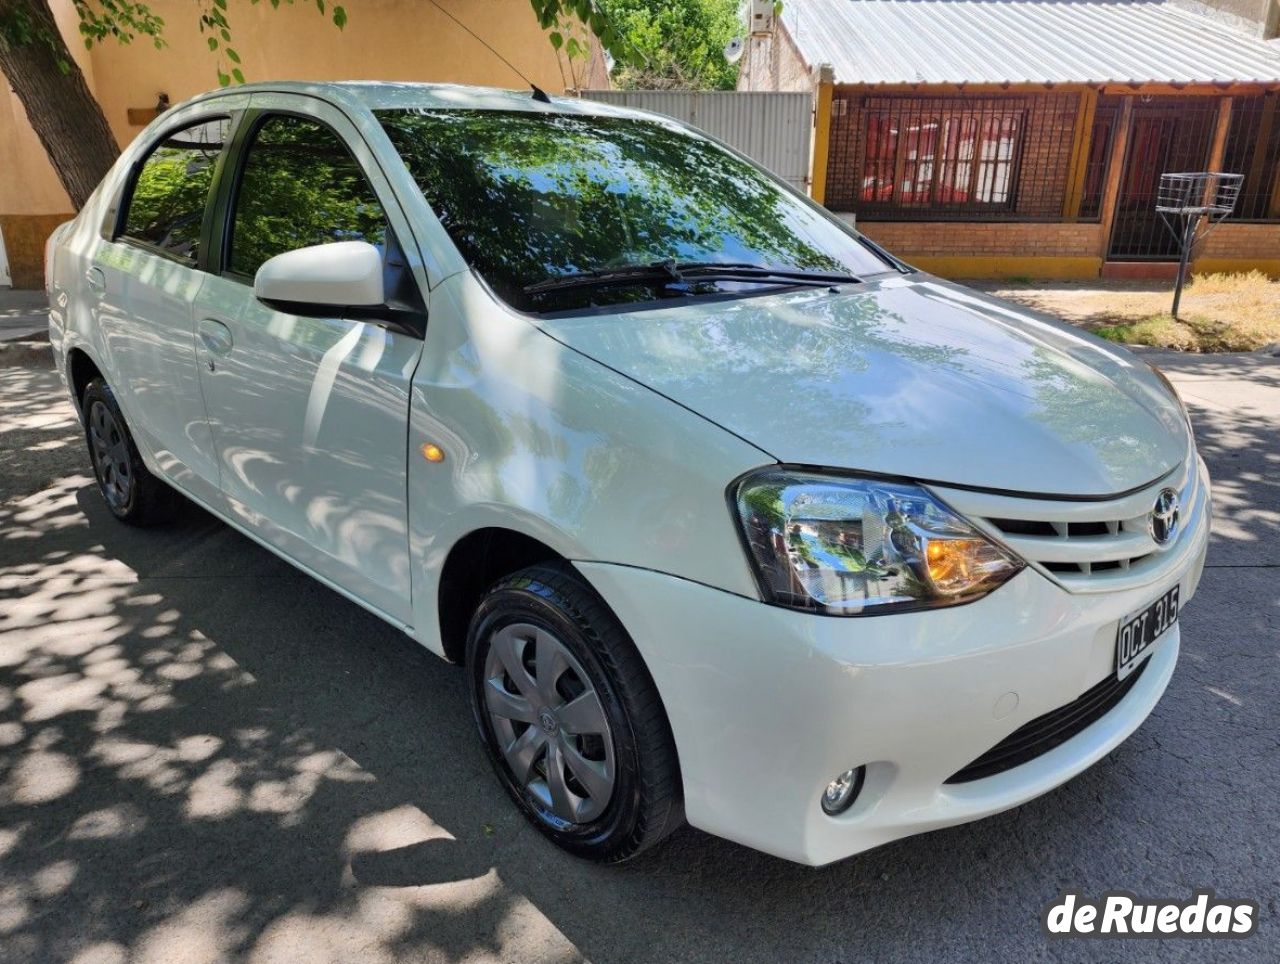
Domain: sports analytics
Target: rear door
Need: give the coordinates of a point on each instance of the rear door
(142, 280)
(310, 413)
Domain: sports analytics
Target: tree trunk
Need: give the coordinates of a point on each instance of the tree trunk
(58, 102)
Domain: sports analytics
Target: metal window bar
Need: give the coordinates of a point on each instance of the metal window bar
(1165, 134)
(1101, 139)
(1253, 150)
(961, 157)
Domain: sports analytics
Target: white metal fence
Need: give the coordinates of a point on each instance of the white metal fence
(773, 128)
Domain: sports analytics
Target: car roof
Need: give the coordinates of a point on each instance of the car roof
(379, 95)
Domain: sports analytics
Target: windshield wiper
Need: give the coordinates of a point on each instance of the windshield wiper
(678, 272)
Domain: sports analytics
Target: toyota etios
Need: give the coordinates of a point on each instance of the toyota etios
(731, 516)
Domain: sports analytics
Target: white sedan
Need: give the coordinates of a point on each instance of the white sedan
(731, 516)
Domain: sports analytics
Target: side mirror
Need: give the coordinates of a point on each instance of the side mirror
(344, 274)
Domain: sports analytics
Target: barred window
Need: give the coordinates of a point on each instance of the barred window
(1253, 149)
(960, 157)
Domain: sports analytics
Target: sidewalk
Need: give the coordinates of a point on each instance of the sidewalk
(22, 314)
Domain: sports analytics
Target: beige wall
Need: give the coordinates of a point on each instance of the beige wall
(383, 40)
(28, 184)
(1259, 18)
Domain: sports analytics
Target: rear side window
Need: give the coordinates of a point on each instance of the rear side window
(300, 186)
(166, 205)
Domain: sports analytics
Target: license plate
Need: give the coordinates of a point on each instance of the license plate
(1139, 633)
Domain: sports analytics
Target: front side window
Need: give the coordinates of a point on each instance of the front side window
(300, 186)
(167, 203)
(531, 199)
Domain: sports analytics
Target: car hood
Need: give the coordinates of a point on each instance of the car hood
(910, 376)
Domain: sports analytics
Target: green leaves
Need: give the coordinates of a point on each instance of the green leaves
(676, 44)
(121, 19)
(339, 17)
(593, 14)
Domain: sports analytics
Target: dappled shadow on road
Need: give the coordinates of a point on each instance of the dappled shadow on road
(202, 745)
(1238, 434)
(42, 439)
(208, 755)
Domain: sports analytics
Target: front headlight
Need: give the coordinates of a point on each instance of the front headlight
(846, 546)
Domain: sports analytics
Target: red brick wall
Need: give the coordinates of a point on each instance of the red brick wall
(959, 239)
(1249, 241)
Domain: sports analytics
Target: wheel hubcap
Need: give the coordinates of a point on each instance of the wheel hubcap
(549, 723)
(110, 450)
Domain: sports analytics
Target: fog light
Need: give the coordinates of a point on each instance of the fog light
(842, 791)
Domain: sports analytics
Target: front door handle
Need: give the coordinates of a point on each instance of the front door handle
(215, 335)
(96, 280)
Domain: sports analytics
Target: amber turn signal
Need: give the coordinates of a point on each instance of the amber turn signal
(956, 565)
(432, 452)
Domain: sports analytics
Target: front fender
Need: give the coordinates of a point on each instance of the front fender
(545, 441)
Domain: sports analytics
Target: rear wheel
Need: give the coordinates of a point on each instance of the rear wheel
(571, 719)
(131, 492)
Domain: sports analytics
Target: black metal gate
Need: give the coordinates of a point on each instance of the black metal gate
(1165, 135)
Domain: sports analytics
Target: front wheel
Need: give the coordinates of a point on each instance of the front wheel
(570, 716)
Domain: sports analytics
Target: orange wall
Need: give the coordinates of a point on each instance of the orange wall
(382, 40)
(28, 184)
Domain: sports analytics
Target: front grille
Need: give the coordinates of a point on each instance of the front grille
(1085, 545)
(1092, 543)
(1051, 730)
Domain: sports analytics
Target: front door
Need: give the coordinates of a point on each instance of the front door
(1165, 137)
(309, 414)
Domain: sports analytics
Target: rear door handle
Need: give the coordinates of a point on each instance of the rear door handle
(96, 280)
(215, 335)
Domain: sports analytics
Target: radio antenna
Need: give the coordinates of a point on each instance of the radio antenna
(538, 93)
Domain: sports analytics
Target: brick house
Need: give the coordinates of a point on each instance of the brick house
(989, 138)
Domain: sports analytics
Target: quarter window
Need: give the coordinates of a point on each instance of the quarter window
(300, 186)
(167, 203)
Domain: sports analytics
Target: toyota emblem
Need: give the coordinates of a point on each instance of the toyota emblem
(1164, 517)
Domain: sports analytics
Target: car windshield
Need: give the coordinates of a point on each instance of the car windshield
(564, 212)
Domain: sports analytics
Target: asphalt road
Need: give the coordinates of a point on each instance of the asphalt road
(207, 756)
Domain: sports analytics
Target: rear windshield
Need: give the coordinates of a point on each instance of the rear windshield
(529, 197)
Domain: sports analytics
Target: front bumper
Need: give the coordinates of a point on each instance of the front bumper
(768, 704)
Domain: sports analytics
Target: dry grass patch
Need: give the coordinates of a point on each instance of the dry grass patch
(1220, 312)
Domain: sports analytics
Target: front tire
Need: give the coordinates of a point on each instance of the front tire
(131, 492)
(571, 719)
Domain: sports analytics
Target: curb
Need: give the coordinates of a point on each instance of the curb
(34, 353)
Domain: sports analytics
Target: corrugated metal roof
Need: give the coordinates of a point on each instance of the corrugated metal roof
(1023, 41)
